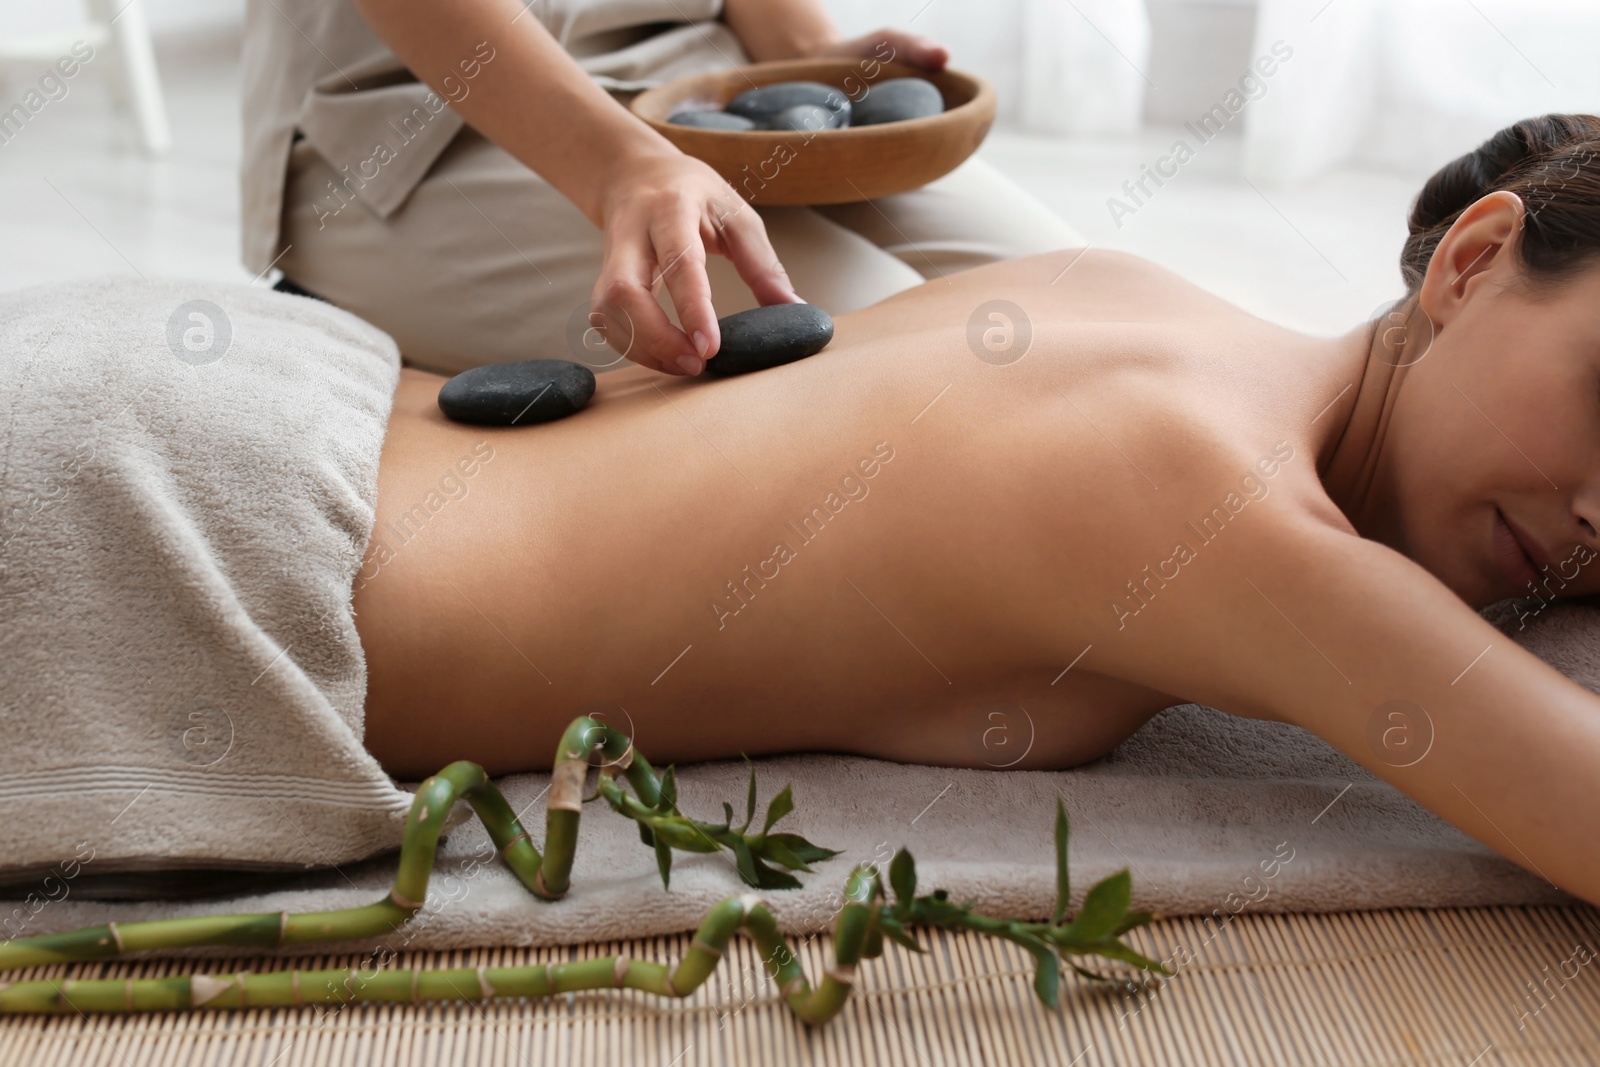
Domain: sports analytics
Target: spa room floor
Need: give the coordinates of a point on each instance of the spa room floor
(1404, 986)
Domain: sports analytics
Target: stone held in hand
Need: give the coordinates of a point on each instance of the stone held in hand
(517, 394)
(711, 119)
(897, 100)
(764, 103)
(769, 337)
(805, 117)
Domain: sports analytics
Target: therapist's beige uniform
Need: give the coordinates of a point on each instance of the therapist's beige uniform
(367, 189)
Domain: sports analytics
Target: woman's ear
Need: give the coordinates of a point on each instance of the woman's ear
(1481, 243)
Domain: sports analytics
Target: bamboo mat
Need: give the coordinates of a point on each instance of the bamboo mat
(1446, 986)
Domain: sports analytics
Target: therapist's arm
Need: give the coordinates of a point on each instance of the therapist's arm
(661, 210)
(799, 29)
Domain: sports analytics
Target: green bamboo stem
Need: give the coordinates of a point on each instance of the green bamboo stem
(862, 924)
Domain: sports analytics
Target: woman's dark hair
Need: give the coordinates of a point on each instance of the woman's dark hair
(1552, 163)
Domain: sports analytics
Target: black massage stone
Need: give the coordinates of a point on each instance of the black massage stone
(896, 100)
(712, 120)
(762, 105)
(769, 337)
(517, 394)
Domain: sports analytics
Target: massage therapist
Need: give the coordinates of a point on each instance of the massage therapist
(556, 219)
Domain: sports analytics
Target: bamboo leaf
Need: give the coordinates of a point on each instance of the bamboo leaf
(645, 835)
(745, 861)
(781, 805)
(1085, 973)
(1047, 981)
(1132, 921)
(1102, 909)
(804, 849)
(664, 863)
(750, 800)
(899, 936)
(778, 853)
(772, 878)
(669, 789)
(903, 876)
(727, 814)
(1116, 950)
(1063, 882)
(1047, 977)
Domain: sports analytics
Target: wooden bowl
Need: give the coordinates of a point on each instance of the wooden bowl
(826, 166)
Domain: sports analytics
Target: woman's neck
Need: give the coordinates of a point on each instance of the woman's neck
(1374, 359)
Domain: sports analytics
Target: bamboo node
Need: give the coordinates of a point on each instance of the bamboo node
(116, 936)
(294, 987)
(416, 975)
(520, 835)
(619, 972)
(704, 947)
(566, 786)
(127, 994)
(797, 984)
(204, 988)
(402, 901)
(843, 973)
(666, 984)
(283, 927)
(625, 760)
(484, 988)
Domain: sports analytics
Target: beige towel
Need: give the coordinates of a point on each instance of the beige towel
(187, 478)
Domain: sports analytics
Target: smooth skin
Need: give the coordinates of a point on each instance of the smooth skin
(662, 212)
(578, 567)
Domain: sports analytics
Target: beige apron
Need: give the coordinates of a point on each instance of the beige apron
(390, 207)
(315, 66)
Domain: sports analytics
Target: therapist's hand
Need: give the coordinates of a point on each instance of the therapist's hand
(885, 45)
(663, 212)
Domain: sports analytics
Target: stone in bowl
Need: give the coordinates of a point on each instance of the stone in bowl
(836, 166)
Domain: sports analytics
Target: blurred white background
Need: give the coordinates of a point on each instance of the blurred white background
(1295, 210)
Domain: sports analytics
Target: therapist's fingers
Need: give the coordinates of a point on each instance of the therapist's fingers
(742, 237)
(889, 43)
(681, 266)
(624, 299)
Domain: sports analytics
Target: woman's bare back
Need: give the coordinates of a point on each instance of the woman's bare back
(894, 548)
(1129, 516)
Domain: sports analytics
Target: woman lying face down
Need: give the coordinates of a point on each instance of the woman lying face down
(1087, 490)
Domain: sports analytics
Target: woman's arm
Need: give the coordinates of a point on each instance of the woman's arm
(661, 210)
(795, 29)
(780, 29)
(1291, 618)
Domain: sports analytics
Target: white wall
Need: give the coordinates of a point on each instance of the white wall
(1197, 47)
(1195, 44)
(25, 18)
